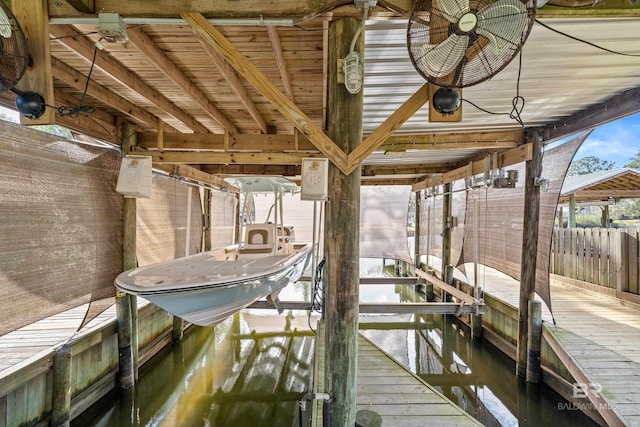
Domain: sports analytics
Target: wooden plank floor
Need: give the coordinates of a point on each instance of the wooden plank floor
(399, 397)
(17, 348)
(602, 334)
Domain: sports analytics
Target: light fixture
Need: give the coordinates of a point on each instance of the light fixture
(446, 100)
(543, 183)
(352, 69)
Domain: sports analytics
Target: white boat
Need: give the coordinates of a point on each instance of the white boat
(206, 288)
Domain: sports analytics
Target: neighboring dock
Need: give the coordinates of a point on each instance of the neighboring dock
(597, 337)
(385, 387)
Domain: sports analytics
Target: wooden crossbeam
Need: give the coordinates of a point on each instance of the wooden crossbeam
(466, 298)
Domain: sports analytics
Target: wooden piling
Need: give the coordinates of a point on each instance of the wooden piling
(528, 263)
(416, 231)
(61, 387)
(535, 341)
(447, 268)
(342, 235)
(126, 304)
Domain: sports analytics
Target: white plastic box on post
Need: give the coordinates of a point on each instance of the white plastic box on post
(134, 179)
(315, 174)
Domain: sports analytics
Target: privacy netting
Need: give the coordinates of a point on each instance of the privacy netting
(61, 227)
(500, 218)
(61, 224)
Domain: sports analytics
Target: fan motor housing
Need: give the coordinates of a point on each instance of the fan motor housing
(446, 100)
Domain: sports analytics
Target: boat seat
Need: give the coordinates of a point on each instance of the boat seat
(259, 239)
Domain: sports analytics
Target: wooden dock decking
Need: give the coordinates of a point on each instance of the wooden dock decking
(385, 387)
(600, 334)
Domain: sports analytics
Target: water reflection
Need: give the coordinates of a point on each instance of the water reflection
(252, 370)
(474, 375)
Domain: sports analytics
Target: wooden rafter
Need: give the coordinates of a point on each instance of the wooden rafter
(204, 30)
(77, 80)
(617, 106)
(234, 81)
(274, 37)
(146, 46)
(457, 140)
(85, 47)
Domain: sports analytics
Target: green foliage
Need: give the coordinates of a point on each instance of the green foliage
(589, 164)
(634, 162)
(55, 130)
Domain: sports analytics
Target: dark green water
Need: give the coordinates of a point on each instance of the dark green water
(252, 370)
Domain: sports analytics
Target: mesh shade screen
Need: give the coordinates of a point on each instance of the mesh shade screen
(432, 226)
(383, 222)
(297, 213)
(500, 219)
(162, 221)
(61, 227)
(223, 208)
(383, 219)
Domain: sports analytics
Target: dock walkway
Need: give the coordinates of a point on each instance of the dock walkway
(600, 334)
(385, 387)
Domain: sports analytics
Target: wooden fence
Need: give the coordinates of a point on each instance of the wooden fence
(604, 256)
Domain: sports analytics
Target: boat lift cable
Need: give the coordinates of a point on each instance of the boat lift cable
(317, 297)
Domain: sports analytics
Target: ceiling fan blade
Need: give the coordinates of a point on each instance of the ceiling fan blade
(5, 24)
(502, 23)
(453, 10)
(441, 59)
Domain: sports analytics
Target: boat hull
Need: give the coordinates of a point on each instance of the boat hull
(208, 299)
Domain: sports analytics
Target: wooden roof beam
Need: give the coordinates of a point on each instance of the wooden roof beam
(147, 47)
(249, 142)
(499, 140)
(207, 33)
(202, 158)
(507, 158)
(84, 47)
(616, 107)
(77, 80)
(234, 81)
(456, 140)
(274, 37)
(229, 9)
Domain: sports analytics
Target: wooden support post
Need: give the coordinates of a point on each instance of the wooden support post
(572, 211)
(535, 341)
(126, 304)
(207, 220)
(177, 329)
(447, 220)
(560, 217)
(61, 385)
(529, 250)
(416, 231)
(604, 220)
(342, 234)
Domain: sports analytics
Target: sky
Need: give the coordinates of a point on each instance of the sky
(617, 141)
